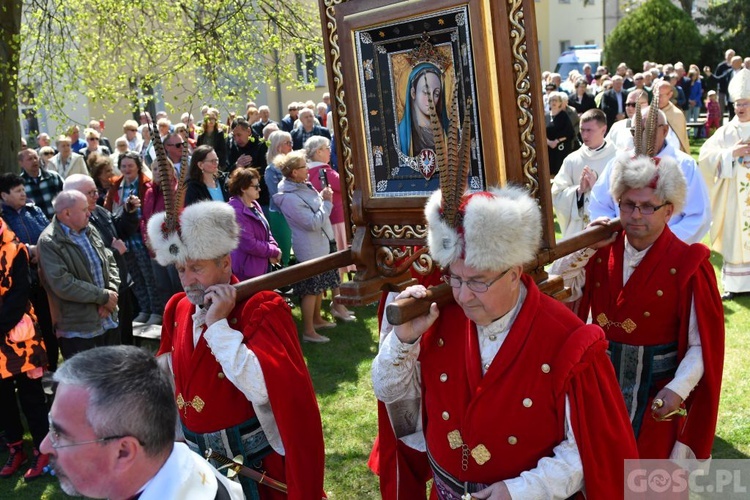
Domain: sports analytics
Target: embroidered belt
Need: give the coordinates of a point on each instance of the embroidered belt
(447, 486)
(628, 325)
(197, 403)
(641, 371)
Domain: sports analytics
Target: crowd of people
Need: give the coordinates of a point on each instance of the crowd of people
(506, 393)
(76, 221)
(684, 94)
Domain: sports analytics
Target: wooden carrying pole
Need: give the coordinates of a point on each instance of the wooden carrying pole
(293, 274)
(400, 311)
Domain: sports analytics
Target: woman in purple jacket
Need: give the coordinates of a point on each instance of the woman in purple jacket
(257, 247)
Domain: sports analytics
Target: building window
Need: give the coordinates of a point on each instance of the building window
(310, 68)
(588, 3)
(565, 1)
(564, 45)
(28, 110)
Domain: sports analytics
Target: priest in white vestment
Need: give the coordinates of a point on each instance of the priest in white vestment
(572, 185)
(724, 161)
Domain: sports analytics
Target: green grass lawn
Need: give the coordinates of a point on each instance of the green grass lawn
(341, 374)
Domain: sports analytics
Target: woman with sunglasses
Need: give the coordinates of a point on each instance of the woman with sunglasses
(257, 248)
(280, 144)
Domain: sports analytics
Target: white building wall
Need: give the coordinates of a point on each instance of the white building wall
(573, 22)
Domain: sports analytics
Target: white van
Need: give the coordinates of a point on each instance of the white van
(576, 56)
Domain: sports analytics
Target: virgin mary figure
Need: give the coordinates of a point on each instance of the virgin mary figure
(414, 129)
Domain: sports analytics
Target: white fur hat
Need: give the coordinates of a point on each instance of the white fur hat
(499, 229)
(208, 230)
(739, 85)
(662, 174)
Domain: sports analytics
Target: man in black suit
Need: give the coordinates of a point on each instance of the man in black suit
(307, 129)
(243, 147)
(721, 78)
(613, 102)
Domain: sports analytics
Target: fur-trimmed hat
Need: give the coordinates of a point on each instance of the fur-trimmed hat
(739, 85)
(207, 230)
(662, 174)
(498, 229)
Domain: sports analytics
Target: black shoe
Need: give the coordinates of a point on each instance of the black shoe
(728, 296)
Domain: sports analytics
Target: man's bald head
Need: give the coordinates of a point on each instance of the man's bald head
(664, 90)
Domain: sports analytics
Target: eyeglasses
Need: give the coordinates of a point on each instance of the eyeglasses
(92, 139)
(256, 186)
(629, 104)
(473, 285)
(215, 160)
(629, 208)
(744, 104)
(288, 143)
(176, 145)
(54, 438)
(93, 193)
(48, 153)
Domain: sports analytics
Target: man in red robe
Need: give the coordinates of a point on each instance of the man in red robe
(509, 393)
(657, 300)
(241, 383)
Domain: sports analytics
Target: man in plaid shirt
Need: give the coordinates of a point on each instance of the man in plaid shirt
(42, 185)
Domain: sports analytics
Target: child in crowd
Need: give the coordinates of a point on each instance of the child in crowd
(713, 116)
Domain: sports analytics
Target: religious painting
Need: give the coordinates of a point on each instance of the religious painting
(406, 67)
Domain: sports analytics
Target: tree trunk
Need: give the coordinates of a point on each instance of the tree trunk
(10, 51)
(687, 6)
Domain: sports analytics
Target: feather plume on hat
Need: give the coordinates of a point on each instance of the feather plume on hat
(491, 230)
(644, 169)
(202, 231)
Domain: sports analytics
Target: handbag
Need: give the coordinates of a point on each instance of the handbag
(23, 331)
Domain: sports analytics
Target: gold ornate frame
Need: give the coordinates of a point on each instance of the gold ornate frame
(386, 234)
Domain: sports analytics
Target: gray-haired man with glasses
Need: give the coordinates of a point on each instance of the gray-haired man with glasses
(112, 432)
(486, 385)
(692, 221)
(657, 300)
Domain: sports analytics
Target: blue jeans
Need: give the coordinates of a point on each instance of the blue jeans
(693, 113)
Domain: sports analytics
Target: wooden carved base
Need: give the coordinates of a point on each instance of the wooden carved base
(356, 293)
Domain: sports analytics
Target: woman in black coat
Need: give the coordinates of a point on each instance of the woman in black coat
(581, 101)
(212, 135)
(560, 133)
